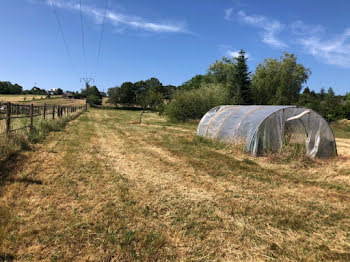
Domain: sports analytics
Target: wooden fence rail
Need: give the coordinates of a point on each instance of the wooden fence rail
(10, 111)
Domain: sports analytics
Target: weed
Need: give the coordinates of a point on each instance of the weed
(12, 144)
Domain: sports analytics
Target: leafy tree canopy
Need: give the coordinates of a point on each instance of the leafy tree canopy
(279, 81)
(7, 87)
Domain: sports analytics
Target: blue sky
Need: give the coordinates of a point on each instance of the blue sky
(170, 40)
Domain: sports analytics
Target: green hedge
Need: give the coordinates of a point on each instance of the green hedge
(194, 104)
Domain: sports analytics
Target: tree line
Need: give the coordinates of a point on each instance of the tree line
(7, 87)
(150, 93)
(229, 81)
(274, 82)
(90, 93)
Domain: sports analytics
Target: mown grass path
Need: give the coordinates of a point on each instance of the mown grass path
(106, 189)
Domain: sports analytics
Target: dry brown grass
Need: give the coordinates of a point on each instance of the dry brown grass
(108, 190)
(22, 98)
(41, 99)
(59, 101)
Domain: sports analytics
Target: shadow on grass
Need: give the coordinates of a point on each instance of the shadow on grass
(6, 257)
(9, 166)
(128, 108)
(24, 180)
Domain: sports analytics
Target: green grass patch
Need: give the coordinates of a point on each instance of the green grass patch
(341, 128)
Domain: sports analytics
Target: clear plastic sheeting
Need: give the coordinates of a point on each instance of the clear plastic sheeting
(265, 128)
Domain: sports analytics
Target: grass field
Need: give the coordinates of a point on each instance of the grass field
(21, 98)
(40, 99)
(58, 101)
(107, 189)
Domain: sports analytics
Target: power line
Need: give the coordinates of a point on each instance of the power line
(82, 35)
(61, 30)
(102, 30)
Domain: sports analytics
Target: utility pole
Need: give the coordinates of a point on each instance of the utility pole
(87, 80)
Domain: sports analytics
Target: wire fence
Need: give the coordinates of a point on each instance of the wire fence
(14, 117)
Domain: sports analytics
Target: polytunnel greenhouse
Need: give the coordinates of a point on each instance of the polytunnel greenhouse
(267, 128)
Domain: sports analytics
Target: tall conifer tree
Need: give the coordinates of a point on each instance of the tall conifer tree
(242, 81)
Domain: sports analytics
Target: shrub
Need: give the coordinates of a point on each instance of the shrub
(94, 100)
(44, 127)
(195, 103)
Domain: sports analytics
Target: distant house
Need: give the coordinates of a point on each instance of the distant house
(68, 94)
(53, 91)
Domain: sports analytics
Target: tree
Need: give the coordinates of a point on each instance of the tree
(92, 94)
(149, 93)
(241, 83)
(279, 81)
(154, 84)
(195, 82)
(128, 93)
(35, 91)
(155, 100)
(347, 106)
(7, 87)
(169, 91)
(113, 95)
(329, 105)
(309, 99)
(150, 98)
(222, 72)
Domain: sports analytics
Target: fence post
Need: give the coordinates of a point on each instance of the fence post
(53, 112)
(8, 118)
(31, 117)
(58, 111)
(44, 110)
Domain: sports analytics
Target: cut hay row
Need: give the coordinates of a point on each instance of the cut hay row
(108, 190)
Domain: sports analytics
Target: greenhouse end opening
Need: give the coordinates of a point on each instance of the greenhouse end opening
(267, 128)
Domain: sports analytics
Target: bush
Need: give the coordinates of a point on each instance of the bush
(94, 100)
(44, 127)
(195, 103)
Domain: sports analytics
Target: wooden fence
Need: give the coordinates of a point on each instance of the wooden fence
(9, 111)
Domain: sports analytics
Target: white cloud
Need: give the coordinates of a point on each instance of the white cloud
(300, 28)
(270, 28)
(334, 51)
(228, 13)
(313, 39)
(118, 19)
(235, 54)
